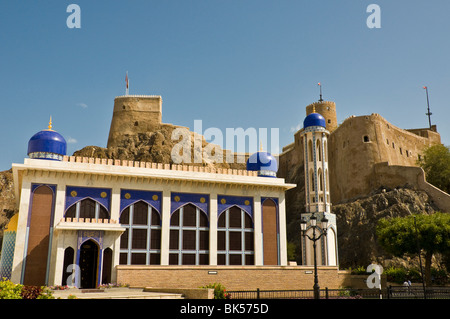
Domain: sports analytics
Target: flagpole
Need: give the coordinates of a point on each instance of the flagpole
(127, 81)
(428, 104)
(320, 86)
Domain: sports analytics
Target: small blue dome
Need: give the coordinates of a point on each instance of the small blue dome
(314, 119)
(264, 163)
(47, 144)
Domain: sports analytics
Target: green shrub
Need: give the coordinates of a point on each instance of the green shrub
(400, 275)
(46, 293)
(10, 290)
(219, 291)
(397, 275)
(359, 271)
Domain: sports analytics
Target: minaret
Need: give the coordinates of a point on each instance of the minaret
(317, 189)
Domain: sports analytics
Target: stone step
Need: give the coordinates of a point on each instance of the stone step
(114, 293)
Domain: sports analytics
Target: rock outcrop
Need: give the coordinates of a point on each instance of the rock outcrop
(7, 200)
(357, 220)
(156, 147)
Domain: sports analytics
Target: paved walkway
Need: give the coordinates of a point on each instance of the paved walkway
(114, 293)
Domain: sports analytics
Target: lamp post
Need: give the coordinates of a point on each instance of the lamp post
(314, 238)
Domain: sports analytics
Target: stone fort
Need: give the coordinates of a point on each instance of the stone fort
(364, 152)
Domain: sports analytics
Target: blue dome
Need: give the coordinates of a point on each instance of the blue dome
(314, 119)
(264, 163)
(47, 144)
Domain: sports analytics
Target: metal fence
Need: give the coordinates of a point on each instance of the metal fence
(391, 292)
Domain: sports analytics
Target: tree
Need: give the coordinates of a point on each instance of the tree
(399, 236)
(436, 164)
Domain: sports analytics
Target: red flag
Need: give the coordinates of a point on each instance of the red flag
(318, 83)
(425, 87)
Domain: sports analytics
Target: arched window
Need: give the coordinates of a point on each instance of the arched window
(319, 151)
(311, 173)
(325, 151)
(235, 243)
(319, 177)
(87, 208)
(140, 244)
(310, 150)
(189, 237)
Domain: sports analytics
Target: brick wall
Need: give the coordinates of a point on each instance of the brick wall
(233, 277)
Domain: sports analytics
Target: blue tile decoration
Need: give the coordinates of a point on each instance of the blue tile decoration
(95, 235)
(225, 202)
(75, 194)
(128, 197)
(7, 256)
(180, 199)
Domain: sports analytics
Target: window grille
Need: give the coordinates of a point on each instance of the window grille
(189, 237)
(140, 244)
(235, 238)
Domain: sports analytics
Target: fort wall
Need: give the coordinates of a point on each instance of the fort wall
(361, 142)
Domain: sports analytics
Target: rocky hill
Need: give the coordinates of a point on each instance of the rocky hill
(7, 199)
(357, 220)
(156, 147)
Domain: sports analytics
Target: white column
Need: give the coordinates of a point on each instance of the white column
(165, 227)
(257, 219)
(213, 229)
(115, 215)
(21, 234)
(282, 223)
(56, 259)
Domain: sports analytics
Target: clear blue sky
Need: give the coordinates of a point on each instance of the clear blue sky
(233, 63)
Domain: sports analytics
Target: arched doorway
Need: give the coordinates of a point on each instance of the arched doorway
(88, 264)
(69, 254)
(38, 236)
(270, 232)
(107, 265)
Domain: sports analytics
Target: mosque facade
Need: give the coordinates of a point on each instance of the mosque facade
(79, 218)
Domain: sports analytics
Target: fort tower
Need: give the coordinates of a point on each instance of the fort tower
(328, 110)
(134, 114)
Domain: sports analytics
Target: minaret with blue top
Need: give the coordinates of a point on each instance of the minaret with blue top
(47, 144)
(317, 189)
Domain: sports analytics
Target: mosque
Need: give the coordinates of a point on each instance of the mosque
(79, 219)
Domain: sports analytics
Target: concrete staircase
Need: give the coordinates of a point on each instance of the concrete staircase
(114, 293)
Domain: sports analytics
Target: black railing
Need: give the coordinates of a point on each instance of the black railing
(391, 292)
